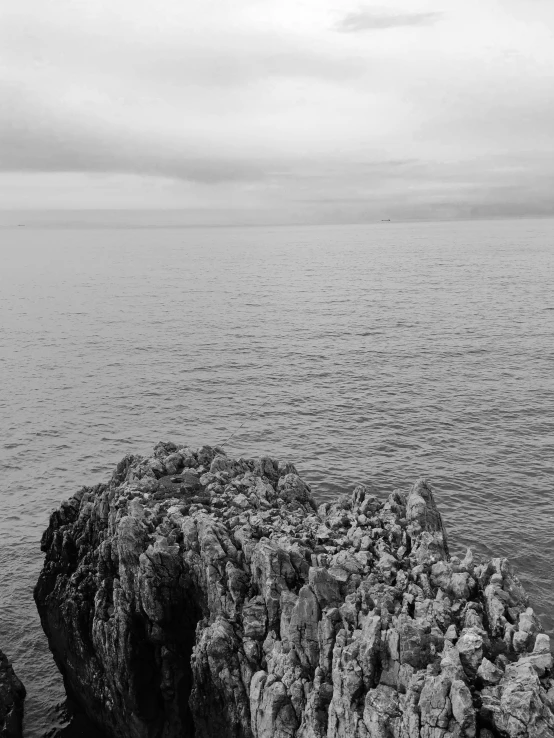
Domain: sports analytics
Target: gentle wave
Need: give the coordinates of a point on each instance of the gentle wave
(419, 350)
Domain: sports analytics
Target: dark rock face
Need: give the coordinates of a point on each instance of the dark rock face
(198, 595)
(12, 697)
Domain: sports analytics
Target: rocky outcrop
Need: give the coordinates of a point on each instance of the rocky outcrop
(199, 595)
(12, 697)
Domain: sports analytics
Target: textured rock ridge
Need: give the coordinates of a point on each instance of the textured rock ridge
(199, 595)
(12, 697)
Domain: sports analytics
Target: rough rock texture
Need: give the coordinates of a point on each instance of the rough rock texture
(12, 696)
(198, 595)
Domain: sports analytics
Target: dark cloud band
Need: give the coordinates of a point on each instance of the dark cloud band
(369, 20)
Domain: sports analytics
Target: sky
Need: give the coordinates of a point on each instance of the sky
(279, 110)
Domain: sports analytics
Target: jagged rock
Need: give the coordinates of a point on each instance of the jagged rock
(462, 708)
(198, 595)
(518, 706)
(12, 697)
(489, 673)
(470, 648)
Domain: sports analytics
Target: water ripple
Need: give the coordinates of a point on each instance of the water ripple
(420, 349)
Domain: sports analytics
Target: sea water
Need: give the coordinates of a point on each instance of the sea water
(366, 353)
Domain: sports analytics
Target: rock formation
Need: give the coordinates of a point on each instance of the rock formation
(199, 595)
(12, 696)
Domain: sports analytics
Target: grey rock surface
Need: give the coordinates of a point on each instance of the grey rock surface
(199, 595)
(12, 697)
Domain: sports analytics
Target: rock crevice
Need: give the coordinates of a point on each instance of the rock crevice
(195, 594)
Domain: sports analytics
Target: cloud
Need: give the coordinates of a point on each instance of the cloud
(37, 138)
(370, 20)
(53, 149)
(260, 105)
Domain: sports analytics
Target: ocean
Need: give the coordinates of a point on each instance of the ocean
(373, 353)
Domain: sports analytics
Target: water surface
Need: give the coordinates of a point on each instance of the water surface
(373, 354)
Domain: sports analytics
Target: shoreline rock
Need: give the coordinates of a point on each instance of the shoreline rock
(199, 595)
(12, 698)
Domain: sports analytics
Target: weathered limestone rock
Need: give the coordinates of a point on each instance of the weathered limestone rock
(198, 595)
(12, 697)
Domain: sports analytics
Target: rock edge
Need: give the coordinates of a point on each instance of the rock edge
(12, 697)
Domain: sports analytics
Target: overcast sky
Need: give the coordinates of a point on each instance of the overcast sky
(279, 110)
